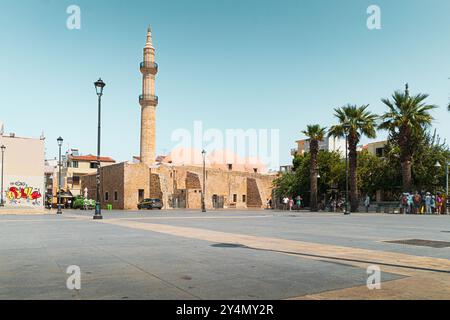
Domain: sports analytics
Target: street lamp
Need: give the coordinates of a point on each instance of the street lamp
(346, 131)
(60, 142)
(437, 166)
(3, 156)
(204, 181)
(99, 85)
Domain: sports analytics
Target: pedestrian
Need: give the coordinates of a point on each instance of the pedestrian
(428, 203)
(285, 203)
(433, 204)
(299, 202)
(367, 203)
(440, 203)
(410, 201)
(270, 203)
(291, 204)
(417, 201)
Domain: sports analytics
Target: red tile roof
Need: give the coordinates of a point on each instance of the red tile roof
(91, 157)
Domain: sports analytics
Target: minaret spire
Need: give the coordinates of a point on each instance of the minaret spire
(148, 101)
(149, 43)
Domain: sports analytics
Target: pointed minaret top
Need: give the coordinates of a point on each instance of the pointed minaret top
(149, 43)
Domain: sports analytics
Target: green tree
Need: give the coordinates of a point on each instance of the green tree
(354, 122)
(315, 133)
(407, 118)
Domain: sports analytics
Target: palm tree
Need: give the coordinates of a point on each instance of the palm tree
(315, 133)
(354, 122)
(408, 117)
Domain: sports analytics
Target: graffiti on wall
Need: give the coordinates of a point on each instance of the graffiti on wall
(20, 193)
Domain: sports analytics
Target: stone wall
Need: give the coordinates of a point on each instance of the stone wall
(180, 185)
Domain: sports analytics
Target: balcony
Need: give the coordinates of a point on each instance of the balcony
(148, 100)
(151, 67)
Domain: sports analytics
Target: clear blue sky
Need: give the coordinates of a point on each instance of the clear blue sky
(230, 63)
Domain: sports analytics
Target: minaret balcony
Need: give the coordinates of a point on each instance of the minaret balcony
(149, 67)
(148, 100)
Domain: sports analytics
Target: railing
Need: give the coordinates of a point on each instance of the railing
(148, 97)
(149, 65)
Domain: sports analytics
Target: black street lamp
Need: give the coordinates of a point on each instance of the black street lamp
(3, 156)
(99, 85)
(60, 142)
(346, 129)
(204, 181)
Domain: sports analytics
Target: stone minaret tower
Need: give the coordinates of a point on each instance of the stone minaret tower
(148, 102)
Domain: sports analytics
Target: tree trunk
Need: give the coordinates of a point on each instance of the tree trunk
(405, 157)
(352, 157)
(314, 149)
(406, 176)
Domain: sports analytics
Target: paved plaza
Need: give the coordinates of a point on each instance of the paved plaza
(223, 255)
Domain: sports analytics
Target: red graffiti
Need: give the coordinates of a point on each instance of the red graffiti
(23, 193)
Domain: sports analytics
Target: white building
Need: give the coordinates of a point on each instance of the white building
(23, 171)
(327, 144)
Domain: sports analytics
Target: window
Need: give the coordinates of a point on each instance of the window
(93, 165)
(243, 198)
(76, 180)
(379, 152)
(106, 196)
(230, 166)
(74, 164)
(234, 197)
(116, 196)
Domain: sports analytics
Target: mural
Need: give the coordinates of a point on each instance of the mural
(20, 193)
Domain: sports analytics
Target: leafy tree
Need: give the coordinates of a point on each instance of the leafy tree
(407, 119)
(315, 133)
(354, 122)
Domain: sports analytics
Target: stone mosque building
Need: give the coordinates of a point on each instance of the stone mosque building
(178, 181)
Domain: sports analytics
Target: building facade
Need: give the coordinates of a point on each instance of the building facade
(77, 166)
(23, 171)
(331, 144)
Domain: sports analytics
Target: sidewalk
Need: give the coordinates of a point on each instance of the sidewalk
(23, 210)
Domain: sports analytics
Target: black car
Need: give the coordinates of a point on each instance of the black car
(150, 204)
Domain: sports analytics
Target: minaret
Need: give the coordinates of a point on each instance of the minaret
(148, 101)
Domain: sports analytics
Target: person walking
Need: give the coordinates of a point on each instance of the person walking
(440, 203)
(433, 204)
(410, 201)
(428, 203)
(417, 200)
(298, 202)
(367, 203)
(291, 204)
(285, 203)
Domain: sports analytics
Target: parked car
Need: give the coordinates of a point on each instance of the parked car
(150, 204)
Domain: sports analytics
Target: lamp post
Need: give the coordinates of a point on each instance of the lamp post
(437, 166)
(3, 156)
(60, 142)
(204, 181)
(99, 85)
(346, 129)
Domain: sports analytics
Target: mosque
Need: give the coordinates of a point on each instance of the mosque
(177, 178)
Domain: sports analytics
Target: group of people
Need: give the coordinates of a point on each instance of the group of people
(422, 203)
(292, 204)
